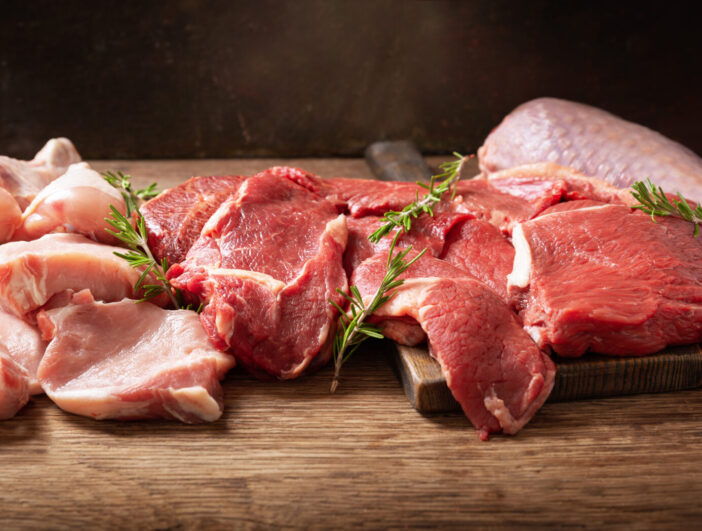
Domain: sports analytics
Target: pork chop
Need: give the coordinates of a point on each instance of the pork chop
(265, 266)
(14, 385)
(607, 279)
(31, 273)
(492, 367)
(593, 142)
(126, 361)
(22, 342)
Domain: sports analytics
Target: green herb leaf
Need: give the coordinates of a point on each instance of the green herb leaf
(436, 188)
(654, 202)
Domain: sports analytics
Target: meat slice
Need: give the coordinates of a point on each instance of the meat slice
(528, 181)
(14, 385)
(10, 216)
(24, 179)
(428, 232)
(493, 369)
(593, 142)
(607, 279)
(265, 265)
(78, 201)
(175, 218)
(22, 342)
(33, 272)
(126, 361)
(479, 248)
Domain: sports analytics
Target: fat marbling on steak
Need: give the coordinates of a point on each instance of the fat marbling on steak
(265, 266)
(593, 142)
(608, 279)
(492, 367)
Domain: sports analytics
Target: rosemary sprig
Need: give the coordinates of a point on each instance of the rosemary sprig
(139, 255)
(132, 197)
(437, 187)
(653, 201)
(354, 329)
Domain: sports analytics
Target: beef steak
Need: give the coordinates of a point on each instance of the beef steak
(493, 369)
(265, 266)
(608, 279)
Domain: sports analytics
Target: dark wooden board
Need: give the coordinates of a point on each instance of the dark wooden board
(587, 377)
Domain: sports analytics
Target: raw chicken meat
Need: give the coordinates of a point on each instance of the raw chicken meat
(24, 179)
(10, 216)
(125, 360)
(33, 272)
(22, 342)
(78, 201)
(493, 369)
(14, 385)
(608, 279)
(266, 264)
(593, 142)
(175, 218)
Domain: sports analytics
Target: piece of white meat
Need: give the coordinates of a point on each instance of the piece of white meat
(23, 343)
(131, 361)
(31, 273)
(25, 178)
(78, 201)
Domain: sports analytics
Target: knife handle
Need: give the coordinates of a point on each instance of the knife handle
(398, 160)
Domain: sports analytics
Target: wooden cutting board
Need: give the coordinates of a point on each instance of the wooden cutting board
(591, 376)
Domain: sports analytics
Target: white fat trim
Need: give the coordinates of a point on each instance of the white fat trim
(522, 265)
(273, 284)
(196, 401)
(536, 333)
(27, 290)
(406, 298)
(337, 229)
(564, 213)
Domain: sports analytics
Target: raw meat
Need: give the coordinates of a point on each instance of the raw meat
(265, 265)
(503, 204)
(10, 216)
(24, 345)
(175, 218)
(528, 181)
(427, 232)
(492, 367)
(608, 279)
(593, 142)
(14, 385)
(33, 272)
(482, 250)
(124, 360)
(24, 179)
(78, 201)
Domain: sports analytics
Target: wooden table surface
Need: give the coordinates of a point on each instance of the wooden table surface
(290, 455)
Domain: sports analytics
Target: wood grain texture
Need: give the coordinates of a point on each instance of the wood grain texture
(290, 455)
(588, 377)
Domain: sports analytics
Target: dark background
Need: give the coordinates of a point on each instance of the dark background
(312, 78)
